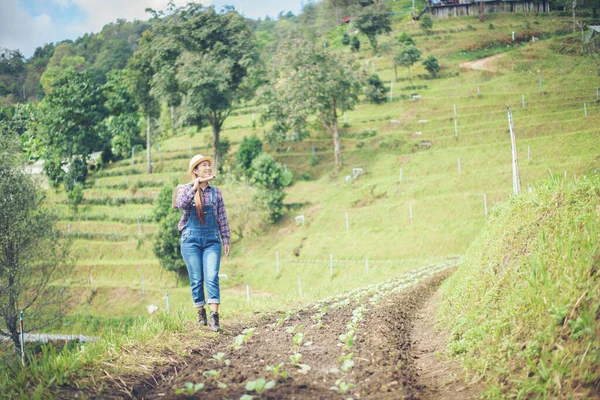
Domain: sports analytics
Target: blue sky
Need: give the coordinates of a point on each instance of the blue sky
(27, 24)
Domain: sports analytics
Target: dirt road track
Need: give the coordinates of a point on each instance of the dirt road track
(395, 353)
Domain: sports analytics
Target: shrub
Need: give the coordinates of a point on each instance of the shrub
(426, 24)
(432, 65)
(355, 44)
(250, 148)
(346, 39)
(375, 90)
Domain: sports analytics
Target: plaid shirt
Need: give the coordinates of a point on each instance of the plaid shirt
(185, 202)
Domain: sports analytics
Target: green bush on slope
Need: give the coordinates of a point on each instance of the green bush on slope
(524, 306)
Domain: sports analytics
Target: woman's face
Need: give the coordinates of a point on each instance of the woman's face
(203, 169)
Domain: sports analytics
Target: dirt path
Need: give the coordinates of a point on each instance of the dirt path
(484, 64)
(389, 351)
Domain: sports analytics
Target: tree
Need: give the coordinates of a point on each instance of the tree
(33, 255)
(210, 55)
(372, 21)
(70, 122)
(312, 80)
(345, 39)
(250, 148)
(426, 23)
(166, 241)
(407, 55)
(139, 76)
(355, 44)
(405, 38)
(432, 65)
(123, 121)
(375, 90)
(270, 178)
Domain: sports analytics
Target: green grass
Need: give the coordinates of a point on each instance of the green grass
(523, 307)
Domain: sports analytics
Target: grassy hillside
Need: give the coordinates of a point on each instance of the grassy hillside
(524, 305)
(113, 228)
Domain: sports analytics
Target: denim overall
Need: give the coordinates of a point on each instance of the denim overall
(201, 251)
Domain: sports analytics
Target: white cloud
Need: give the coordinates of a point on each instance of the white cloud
(101, 12)
(19, 30)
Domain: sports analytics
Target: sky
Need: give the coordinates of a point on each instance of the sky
(27, 24)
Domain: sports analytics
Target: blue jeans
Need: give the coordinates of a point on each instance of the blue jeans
(201, 251)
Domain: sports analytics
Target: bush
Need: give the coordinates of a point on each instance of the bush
(355, 44)
(405, 38)
(491, 26)
(432, 65)
(426, 23)
(250, 148)
(375, 90)
(272, 202)
(470, 27)
(346, 39)
(75, 196)
(166, 243)
(269, 174)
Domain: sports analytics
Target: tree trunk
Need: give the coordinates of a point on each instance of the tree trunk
(336, 141)
(173, 120)
(574, 21)
(148, 143)
(396, 72)
(216, 132)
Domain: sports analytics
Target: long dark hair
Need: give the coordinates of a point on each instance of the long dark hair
(199, 202)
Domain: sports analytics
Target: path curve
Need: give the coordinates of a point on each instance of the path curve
(484, 64)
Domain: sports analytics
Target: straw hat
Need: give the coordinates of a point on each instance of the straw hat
(197, 159)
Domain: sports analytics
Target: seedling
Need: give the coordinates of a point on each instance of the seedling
(239, 340)
(295, 359)
(212, 372)
(220, 356)
(347, 339)
(276, 370)
(294, 329)
(346, 365)
(346, 357)
(190, 389)
(298, 339)
(342, 387)
(259, 386)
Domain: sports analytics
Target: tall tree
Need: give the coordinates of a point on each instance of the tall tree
(407, 55)
(123, 122)
(372, 21)
(33, 254)
(312, 80)
(70, 123)
(140, 73)
(214, 52)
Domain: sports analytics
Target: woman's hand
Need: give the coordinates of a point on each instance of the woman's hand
(201, 179)
(226, 247)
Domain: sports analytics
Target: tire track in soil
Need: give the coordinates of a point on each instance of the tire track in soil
(384, 355)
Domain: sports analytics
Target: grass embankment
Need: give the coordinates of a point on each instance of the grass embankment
(524, 306)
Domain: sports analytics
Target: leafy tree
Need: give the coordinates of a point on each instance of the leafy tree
(70, 122)
(372, 21)
(426, 23)
(123, 121)
(33, 255)
(209, 54)
(166, 243)
(407, 55)
(346, 39)
(375, 90)
(139, 77)
(355, 44)
(432, 65)
(312, 80)
(405, 38)
(250, 148)
(270, 178)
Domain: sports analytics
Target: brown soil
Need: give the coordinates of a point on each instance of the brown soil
(396, 355)
(484, 64)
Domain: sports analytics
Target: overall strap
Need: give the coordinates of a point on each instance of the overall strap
(212, 196)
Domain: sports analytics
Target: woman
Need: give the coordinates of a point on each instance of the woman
(203, 226)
